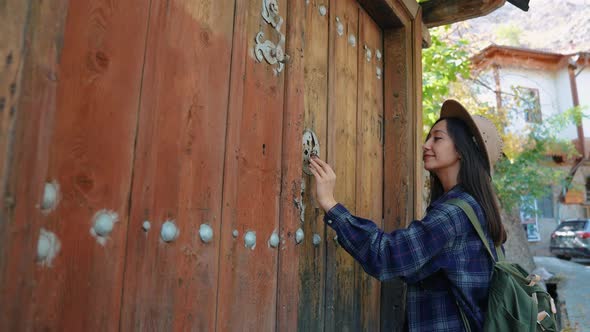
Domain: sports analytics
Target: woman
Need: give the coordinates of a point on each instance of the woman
(441, 257)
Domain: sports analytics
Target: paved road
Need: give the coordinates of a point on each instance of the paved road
(575, 289)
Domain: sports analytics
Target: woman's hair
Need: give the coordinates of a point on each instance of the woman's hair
(474, 177)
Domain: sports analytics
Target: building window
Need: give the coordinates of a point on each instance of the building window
(545, 204)
(530, 104)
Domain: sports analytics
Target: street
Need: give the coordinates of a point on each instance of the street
(574, 287)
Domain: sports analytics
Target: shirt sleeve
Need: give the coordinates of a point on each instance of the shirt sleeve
(402, 253)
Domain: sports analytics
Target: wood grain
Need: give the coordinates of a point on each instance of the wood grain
(247, 295)
(369, 172)
(290, 284)
(342, 311)
(313, 259)
(178, 169)
(398, 160)
(81, 117)
(30, 51)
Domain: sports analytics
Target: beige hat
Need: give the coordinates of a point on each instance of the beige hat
(483, 130)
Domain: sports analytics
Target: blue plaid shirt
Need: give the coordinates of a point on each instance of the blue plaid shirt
(440, 257)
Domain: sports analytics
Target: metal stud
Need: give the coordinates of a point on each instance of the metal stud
(378, 73)
(104, 221)
(378, 54)
(50, 196)
(206, 233)
(274, 240)
(299, 235)
(323, 10)
(169, 231)
(317, 239)
(368, 53)
(48, 246)
(235, 233)
(352, 40)
(146, 226)
(339, 27)
(250, 240)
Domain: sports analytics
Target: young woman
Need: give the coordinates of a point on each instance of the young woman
(441, 257)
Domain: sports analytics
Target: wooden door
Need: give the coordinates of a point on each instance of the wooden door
(344, 107)
(71, 173)
(170, 138)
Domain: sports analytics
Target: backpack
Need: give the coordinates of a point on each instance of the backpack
(515, 301)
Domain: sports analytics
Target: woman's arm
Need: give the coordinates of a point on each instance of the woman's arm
(404, 253)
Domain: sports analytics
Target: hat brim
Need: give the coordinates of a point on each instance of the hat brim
(453, 109)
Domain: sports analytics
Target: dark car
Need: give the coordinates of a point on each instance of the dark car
(571, 239)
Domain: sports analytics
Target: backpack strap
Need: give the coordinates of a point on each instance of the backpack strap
(475, 222)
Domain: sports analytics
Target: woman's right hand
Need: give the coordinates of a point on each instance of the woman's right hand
(325, 182)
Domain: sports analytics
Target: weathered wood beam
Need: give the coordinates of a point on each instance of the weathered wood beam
(443, 12)
(391, 13)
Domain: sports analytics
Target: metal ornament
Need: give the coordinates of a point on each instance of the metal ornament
(311, 147)
(266, 49)
(270, 13)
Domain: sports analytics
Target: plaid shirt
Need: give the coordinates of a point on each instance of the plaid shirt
(440, 257)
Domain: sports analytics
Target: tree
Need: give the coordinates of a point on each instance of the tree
(527, 169)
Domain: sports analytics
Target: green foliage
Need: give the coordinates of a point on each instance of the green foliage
(528, 171)
(443, 64)
(531, 172)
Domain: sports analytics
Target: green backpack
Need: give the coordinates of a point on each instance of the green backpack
(516, 302)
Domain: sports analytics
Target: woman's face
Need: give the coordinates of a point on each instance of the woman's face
(439, 153)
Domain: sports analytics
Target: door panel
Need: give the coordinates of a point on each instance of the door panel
(78, 285)
(369, 187)
(341, 296)
(344, 107)
(252, 178)
(313, 257)
(179, 168)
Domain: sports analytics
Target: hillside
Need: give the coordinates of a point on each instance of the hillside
(560, 26)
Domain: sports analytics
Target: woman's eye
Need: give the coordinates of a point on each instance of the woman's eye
(437, 138)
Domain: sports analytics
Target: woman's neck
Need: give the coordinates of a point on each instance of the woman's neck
(448, 178)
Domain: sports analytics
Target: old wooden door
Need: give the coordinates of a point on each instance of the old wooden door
(344, 108)
(158, 182)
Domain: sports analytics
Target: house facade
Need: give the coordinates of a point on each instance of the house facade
(545, 84)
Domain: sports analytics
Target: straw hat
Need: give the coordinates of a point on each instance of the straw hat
(482, 129)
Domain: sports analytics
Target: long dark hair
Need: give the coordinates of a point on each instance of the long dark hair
(474, 177)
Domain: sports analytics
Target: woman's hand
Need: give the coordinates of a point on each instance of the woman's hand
(325, 179)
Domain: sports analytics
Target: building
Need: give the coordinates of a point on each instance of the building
(545, 84)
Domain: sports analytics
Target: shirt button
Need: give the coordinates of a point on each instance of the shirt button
(330, 221)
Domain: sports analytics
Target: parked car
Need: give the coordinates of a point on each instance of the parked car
(571, 239)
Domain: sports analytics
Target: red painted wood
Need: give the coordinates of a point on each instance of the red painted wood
(290, 283)
(28, 120)
(252, 180)
(179, 167)
(312, 265)
(91, 101)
